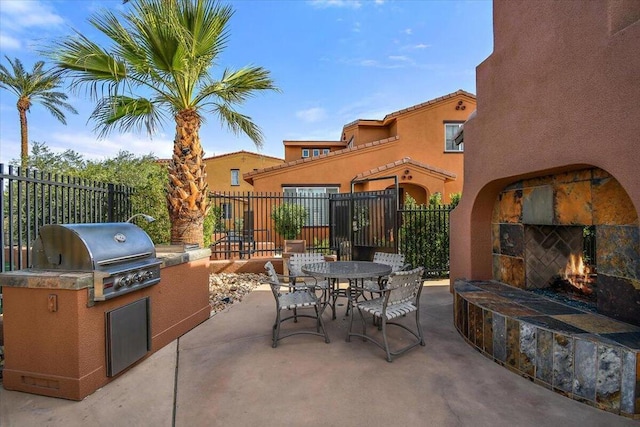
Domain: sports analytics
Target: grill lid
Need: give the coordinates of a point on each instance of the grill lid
(89, 247)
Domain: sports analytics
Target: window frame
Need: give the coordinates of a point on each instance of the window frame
(317, 214)
(305, 153)
(315, 152)
(236, 176)
(460, 147)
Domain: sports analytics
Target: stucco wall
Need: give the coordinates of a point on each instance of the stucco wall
(219, 169)
(559, 92)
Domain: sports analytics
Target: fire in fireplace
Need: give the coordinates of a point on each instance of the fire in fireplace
(576, 278)
(545, 230)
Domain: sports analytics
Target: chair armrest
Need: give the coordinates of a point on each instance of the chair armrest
(292, 285)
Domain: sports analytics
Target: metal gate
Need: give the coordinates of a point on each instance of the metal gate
(363, 223)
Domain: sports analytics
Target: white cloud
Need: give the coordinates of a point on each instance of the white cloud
(352, 4)
(9, 43)
(369, 63)
(90, 147)
(312, 115)
(421, 46)
(408, 31)
(26, 14)
(399, 58)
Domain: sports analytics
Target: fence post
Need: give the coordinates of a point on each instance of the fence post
(111, 202)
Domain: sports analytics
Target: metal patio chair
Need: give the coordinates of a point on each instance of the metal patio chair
(296, 261)
(400, 296)
(397, 263)
(293, 296)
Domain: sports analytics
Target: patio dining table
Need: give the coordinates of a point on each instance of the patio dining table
(352, 271)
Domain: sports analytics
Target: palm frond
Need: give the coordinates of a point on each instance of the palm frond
(237, 86)
(126, 114)
(168, 48)
(239, 123)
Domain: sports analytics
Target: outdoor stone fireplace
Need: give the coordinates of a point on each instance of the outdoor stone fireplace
(538, 239)
(551, 174)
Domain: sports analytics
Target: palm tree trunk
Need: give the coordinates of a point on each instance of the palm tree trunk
(187, 192)
(23, 106)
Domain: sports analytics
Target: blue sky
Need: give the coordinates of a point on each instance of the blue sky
(335, 61)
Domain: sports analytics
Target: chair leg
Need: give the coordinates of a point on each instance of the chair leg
(384, 338)
(364, 323)
(321, 323)
(276, 330)
(348, 339)
(420, 333)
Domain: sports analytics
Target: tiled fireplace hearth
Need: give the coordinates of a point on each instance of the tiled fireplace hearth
(584, 356)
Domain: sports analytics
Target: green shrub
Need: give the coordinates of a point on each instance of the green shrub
(288, 219)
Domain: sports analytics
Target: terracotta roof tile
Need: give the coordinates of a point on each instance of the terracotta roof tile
(406, 160)
(322, 156)
(414, 107)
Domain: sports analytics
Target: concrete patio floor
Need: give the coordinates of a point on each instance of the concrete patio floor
(225, 373)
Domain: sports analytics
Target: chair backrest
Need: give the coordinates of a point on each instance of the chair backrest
(271, 272)
(405, 286)
(274, 280)
(396, 261)
(297, 260)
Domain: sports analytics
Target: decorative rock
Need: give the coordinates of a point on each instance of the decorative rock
(227, 288)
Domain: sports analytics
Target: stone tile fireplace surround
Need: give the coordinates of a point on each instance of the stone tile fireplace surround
(563, 204)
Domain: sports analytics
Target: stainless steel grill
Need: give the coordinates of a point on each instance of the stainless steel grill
(121, 255)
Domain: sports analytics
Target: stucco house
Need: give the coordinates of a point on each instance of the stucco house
(224, 172)
(415, 145)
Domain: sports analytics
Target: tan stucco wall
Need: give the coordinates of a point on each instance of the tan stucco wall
(560, 91)
(219, 169)
(421, 137)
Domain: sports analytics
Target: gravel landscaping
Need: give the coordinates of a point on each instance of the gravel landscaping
(227, 288)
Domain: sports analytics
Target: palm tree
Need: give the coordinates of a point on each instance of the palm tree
(158, 66)
(37, 86)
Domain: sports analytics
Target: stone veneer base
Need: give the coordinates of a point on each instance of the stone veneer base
(581, 355)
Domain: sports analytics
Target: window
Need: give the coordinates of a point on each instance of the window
(235, 176)
(315, 199)
(450, 130)
(305, 152)
(326, 151)
(227, 210)
(316, 152)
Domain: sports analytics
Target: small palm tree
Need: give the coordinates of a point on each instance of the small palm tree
(38, 86)
(158, 66)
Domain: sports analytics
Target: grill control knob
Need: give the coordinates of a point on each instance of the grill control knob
(126, 281)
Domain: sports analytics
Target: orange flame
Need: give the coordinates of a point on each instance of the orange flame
(576, 273)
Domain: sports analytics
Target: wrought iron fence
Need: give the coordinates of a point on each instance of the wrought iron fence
(249, 224)
(30, 199)
(424, 238)
(244, 227)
